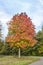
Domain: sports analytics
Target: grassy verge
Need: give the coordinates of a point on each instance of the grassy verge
(12, 60)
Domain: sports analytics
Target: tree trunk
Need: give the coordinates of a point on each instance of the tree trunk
(19, 52)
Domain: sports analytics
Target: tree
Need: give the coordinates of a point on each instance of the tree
(39, 37)
(21, 32)
(1, 42)
(6, 49)
(0, 32)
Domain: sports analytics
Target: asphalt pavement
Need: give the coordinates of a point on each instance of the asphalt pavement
(39, 62)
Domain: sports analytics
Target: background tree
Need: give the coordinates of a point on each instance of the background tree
(0, 31)
(1, 42)
(39, 37)
(21, 32)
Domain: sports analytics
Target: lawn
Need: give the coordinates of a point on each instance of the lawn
(12, 60)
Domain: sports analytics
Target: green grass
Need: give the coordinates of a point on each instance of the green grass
(12, 60)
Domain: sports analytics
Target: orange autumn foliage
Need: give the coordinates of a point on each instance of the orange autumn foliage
(21, 28)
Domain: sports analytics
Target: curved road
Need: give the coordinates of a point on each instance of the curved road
(40, 62)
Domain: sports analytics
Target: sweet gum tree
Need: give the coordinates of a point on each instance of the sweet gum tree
(21, 32)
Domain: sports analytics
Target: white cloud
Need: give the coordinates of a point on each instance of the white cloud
(37, 16)
(37, 19)
(25, 6)
(41, 1)
(4, 18)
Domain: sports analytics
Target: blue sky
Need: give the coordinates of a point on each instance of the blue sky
(34, 9)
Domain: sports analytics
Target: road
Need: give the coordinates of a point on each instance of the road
(40, 62)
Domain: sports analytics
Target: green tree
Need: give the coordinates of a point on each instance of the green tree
(0, 32)
(1, 42)
(39, 37)
(5, 49)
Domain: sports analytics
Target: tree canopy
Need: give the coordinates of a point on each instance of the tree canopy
(21, 31)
